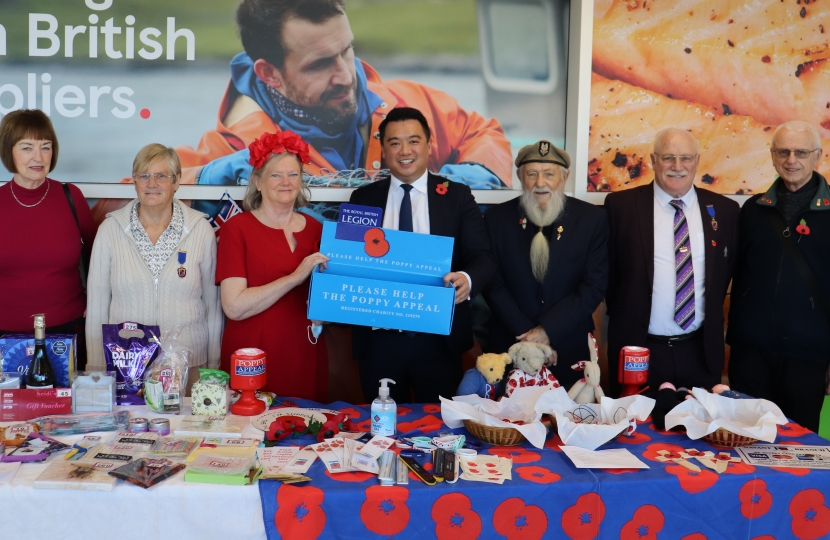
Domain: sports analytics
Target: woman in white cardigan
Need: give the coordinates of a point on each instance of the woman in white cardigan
(153, 262)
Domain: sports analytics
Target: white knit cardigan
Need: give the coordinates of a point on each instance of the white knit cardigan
(122, 288)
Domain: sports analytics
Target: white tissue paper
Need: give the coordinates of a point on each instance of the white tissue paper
(591, 425)
(755, 418)
(518, 407)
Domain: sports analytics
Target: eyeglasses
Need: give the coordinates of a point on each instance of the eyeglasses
(784, 153)
(668, 159)
(145, 177)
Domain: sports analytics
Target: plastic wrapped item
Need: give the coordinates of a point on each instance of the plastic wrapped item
(93, 391)
(73, 424)
(146, 472)
(35, 448)
(211, 395)
(175, 447)
(129, 349)
(166, 380)
(222, 465)
(10, 380)
(111, 456)
(15, 434)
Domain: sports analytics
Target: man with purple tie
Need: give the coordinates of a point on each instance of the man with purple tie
(672, 249)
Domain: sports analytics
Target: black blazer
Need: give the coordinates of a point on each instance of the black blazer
(573, 287)
(631, 269)
(454, 214)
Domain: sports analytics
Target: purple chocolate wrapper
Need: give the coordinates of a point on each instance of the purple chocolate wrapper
(129, 357)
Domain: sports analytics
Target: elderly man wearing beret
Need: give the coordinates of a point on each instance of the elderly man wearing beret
(552, 262)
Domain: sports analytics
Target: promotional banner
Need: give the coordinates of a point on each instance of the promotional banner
(728, 72)
(209, 76)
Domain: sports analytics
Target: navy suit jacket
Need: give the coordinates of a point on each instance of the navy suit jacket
(572, 289)
(631, 258)
(454, 214)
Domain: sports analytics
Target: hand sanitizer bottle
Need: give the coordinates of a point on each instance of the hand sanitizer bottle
(384, 411)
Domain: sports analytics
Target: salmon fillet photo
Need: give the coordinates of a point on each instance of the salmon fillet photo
(734, 149)
(729, 72)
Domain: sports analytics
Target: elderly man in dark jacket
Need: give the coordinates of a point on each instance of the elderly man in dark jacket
(551, 259)
(778, 321)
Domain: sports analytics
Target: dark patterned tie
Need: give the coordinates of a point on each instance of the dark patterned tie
(405, 224)
(405, 215)
(684, 281)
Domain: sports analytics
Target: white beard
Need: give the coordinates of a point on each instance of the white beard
(542, 217)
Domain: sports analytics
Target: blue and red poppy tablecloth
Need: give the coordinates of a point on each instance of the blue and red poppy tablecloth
(550, 498)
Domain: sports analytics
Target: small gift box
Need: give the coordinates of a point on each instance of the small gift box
(93, 391)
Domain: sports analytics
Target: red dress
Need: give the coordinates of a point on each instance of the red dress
(260, 254)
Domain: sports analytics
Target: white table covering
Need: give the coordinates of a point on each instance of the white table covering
(173, 509)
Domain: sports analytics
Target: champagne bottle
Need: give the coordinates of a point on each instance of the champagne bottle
(40, 373)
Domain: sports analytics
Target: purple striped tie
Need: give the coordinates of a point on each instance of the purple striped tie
(684, 281)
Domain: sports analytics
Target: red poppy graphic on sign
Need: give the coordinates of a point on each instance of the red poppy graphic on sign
(764, 537)
(811, 518)
(403, 411)
(299, 514)
(365, 425)
(691, 481)
(376, 244)
(355, 476)
(424, 424)
(582, 520)
(455, 518)
(540, 475)
(792, 429)
(517, 453)
(432, 408)
(697, 536)
(385, 511)
(518, 521)
(647, 522)
(755, 499)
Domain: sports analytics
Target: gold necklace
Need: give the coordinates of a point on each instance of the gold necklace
(29, 205)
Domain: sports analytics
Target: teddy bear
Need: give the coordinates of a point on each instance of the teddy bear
(487, 378)
(587, 389)
(529, 366)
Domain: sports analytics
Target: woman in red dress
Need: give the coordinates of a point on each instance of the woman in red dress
(265, 258)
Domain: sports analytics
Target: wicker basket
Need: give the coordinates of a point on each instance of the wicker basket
(727, 439)
(494, 435)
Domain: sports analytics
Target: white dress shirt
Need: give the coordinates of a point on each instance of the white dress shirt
(420, 208)
(420, 205)
(663, 289)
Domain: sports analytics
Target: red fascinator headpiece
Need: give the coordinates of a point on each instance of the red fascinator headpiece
(277, 143)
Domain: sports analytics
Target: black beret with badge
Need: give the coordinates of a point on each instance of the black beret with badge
(543, 152)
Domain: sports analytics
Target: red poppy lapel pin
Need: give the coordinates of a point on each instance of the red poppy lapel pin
(441, 189)
(802, 229)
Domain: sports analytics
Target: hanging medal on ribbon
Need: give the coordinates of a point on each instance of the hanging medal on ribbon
(182, 260)
(711, 209)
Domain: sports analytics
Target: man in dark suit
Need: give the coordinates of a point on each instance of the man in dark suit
(672, 249)
(424, 366)
(551, 262)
